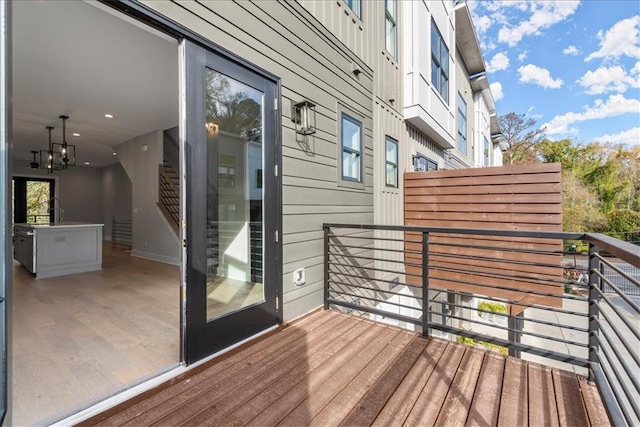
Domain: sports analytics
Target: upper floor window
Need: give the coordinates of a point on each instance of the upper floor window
(391, 28)
(487, 162)
(423, 164)
(356, 6)
(351, 146)
(391, 157)
(439, 63)
(462, 124)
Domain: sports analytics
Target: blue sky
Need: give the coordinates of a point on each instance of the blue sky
(574, 66)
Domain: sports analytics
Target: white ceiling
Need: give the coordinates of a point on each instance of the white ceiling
(75, 58)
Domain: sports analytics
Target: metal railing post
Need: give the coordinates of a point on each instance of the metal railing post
(326, 267)
(426, 331)
(515, 325)
(594, 312)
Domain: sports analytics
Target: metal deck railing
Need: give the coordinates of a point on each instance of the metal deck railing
(526, 294)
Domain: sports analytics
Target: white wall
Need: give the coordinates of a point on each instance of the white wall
(153, 237)
(424, 108)
(116, 196)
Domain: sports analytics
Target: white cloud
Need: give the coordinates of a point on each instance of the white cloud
(482, 24)
(543, 15)
(622, 39)
(615, 105)
(608, 79)
(541, 76)
(500, 61)
(496, 90)
(522, 56)
(570, 50)
(628, 137)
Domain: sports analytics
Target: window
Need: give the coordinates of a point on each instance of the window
(390, 28)
(423, 164)
(439, 63)
(462, 124)
(486, 152)
(356, 6)
(351, 149)
(391, 157)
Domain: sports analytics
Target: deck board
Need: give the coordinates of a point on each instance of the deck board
(542, 405)
(333, 369)
(571, 411)
(485, 406)
(514, 399)
(458, 401)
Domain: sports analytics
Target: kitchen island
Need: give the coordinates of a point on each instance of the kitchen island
(50, 250)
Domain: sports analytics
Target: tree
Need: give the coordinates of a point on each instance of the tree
(230, 107)
(520, 135)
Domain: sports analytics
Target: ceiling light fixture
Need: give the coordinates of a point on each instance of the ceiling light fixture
(87, 163)
(59, 155)
(76, 134)
(109, 116)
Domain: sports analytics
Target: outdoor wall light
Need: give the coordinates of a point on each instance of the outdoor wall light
(303, 114)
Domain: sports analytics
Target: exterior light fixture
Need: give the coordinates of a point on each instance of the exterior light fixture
(303, 114)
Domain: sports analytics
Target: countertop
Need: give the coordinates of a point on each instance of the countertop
(66, 224)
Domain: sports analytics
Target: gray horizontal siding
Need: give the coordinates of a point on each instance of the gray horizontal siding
(285, 39)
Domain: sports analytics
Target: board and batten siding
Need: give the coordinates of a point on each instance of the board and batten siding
(525, 198)
(286, 40)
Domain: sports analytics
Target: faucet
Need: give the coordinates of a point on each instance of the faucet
(59, 208)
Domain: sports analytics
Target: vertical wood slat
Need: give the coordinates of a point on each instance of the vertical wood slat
(466, 199)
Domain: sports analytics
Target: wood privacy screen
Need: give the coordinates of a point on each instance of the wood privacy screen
(525, 198)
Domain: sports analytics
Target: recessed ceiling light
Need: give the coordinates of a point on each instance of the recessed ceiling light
(114, 153)
(109, 116)
(76, 134)
(87, 163)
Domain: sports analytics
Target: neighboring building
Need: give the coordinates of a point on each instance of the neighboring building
(394, 86)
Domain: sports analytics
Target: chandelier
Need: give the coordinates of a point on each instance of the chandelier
(58, 156)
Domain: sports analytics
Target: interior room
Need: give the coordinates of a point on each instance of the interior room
(107, 85)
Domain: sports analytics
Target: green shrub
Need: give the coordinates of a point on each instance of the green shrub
(494, 307)
(471, 342)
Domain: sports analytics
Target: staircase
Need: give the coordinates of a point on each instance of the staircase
(169, 195)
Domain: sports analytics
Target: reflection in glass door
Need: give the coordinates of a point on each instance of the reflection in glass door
(234, 195)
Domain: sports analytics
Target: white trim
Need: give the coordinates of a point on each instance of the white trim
(128, 394)
(155, 257)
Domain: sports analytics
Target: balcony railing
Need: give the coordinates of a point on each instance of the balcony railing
(534, 295)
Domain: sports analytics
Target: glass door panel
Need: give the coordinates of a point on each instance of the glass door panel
(234, 115)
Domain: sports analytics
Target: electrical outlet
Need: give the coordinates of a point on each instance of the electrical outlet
(299, 277)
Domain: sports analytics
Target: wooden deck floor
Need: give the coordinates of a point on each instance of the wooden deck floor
(332, 369)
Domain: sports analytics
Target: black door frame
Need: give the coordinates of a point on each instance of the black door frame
(20, 183)
(152, 18)
(206, 337)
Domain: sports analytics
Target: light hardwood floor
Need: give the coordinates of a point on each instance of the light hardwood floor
(78, 339)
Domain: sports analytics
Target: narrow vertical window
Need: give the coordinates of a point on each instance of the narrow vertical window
(356, 6)
(439, 63)
(462, 124)
(487, 161)
(351, 142)
(391, 28)
(391, 156)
